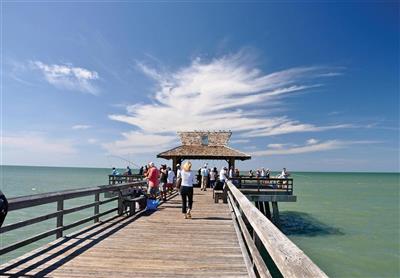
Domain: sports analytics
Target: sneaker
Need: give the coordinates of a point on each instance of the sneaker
(188, 214)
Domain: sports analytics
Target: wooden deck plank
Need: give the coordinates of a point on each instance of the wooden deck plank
(159, 244)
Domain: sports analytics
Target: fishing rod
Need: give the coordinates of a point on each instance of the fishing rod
(126, 160)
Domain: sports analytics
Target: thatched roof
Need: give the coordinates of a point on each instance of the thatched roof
(204, 152)
(204, 145)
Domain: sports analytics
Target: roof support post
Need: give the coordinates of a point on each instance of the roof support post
(176, 160)
(231, 163)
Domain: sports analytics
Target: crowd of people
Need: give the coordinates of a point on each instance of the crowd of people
(163, 180)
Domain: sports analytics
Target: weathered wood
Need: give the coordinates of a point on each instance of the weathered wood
(60, 217)
(259, 263)
(97, 206)
(290, 260)
(242, 243)
(59, 197)
(31, 221)
(45, 198)
(161, 244)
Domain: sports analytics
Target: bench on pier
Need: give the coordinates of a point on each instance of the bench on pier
(219, 192)
(130, 200)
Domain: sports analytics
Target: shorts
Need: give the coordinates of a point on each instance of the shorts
(163, 186)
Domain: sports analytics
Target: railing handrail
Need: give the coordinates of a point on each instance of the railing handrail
(259, 178)
(58, 198)
(50, 197)
(289, 259)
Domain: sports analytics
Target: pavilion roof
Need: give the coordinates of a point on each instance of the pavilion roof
(204, 152)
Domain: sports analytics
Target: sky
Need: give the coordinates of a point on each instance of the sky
(311, 86)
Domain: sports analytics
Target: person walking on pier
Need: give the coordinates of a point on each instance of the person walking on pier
(213, 177)
(204, 177)
(187, 189)
(163, 182)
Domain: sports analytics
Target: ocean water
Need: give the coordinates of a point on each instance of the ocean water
(347, 223)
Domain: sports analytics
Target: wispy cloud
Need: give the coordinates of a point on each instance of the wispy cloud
(93, 141)
(78, 127)
(224, 93)
(312, 145)
(68, 77)
(37, 143)
(239, 141)
(138, 142)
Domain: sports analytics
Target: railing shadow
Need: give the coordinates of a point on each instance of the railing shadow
(89, 236)
(303, 224)
(90, 239)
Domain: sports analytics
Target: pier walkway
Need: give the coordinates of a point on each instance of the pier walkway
(148, 244)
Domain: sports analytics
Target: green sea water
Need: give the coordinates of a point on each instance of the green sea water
(347, 223)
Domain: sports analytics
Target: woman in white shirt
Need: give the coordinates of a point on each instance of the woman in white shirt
(187, 188)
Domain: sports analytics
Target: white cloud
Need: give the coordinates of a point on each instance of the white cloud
(68, 77)
(312, 145)
(77, 127)
(312, 141)
(239, 141)
(92, 141)
(227, 93)
(36, 143)
(277, 146)
(138, 142)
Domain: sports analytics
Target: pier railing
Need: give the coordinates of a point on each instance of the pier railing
(259, 233)
(58, 198)
(115, 179)
(261, 183)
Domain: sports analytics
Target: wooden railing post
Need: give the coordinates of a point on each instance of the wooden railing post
(96, 206)
(120, 203)
(60, 217)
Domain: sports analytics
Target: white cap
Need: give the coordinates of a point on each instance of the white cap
(151, 164)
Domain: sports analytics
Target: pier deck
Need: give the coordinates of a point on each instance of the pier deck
(158, 244)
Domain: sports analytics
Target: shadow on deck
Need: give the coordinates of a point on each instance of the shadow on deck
(163, 245)
(89, 237)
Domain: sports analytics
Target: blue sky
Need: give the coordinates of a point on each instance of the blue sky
(309, 86)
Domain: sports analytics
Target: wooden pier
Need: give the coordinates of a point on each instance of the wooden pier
(221, 240)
